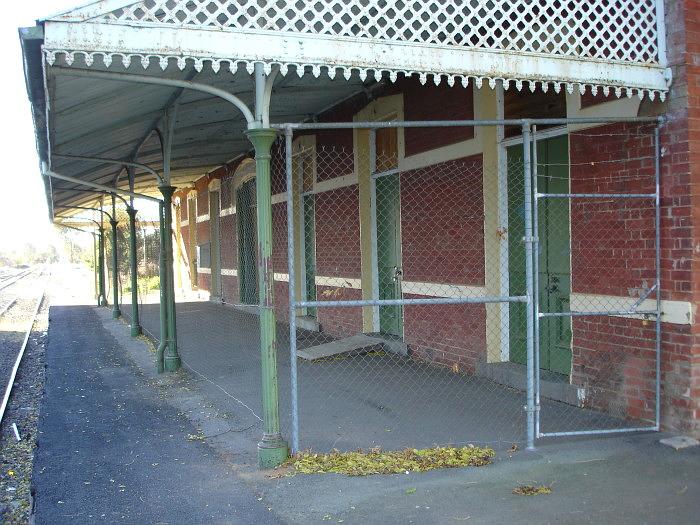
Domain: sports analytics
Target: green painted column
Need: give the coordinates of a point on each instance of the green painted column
(94, 264)
(171, 359)
(133, 263)
(116, 312)
(102, 301)
(272, 449)
(163, 287)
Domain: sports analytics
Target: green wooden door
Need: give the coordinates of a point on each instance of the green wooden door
(388, 199)
(554, 254)
(309, 251)
(247, 241)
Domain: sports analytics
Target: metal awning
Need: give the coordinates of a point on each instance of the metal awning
(325, 51)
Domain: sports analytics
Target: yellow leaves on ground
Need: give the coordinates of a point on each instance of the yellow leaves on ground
(532, 490)
(375, 461)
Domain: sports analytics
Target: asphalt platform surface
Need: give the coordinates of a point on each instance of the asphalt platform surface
(111, 451)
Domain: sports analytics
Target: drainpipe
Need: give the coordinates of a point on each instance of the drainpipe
(163, 285)
(272, 449)
(171, 359)
(116, 312)
(135, 319)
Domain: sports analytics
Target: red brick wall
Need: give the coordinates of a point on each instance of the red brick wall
(442, 230)
(687, 403)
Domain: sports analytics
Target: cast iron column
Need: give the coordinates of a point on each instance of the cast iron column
(116, 312)
(162, 287)
(272, 449)
(171, 360)
(135, 320)
(102, 301)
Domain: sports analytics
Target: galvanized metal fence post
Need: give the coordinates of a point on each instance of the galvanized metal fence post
(372, 137)
(530, 292)
(288, 137)
(536, 279)
(133, 263)
(272, 449)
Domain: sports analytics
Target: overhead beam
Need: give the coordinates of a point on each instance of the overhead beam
(168, 82)
(107, 189)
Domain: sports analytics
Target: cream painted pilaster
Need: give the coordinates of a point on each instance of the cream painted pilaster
(488, 104)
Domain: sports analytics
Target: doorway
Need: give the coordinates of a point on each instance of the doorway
(554, 254)
(247, 242)
(388, 227)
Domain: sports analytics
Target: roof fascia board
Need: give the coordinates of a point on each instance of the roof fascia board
(214, 47)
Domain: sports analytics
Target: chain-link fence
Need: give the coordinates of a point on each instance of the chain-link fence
(598, 277)
(500, 289)
(409, 280)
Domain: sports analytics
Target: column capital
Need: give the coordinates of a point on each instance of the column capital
(167, 191)
(262, 139)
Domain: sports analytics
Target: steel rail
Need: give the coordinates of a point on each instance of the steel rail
(7, 307)
(16, 278)
(20, 355)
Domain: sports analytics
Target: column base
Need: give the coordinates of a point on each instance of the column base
(272, 452)
(135, 330)
(116, 313)
(172, 363)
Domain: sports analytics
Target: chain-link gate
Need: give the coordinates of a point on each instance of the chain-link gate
(411, 284)
(598, 277)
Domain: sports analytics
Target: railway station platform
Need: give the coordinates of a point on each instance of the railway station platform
(121, 444)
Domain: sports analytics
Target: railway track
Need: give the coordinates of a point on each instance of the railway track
(17, 319)
(8, 280)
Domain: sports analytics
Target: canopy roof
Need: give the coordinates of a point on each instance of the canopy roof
(326, 50)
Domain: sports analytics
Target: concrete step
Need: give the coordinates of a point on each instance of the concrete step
(355, 345)
(552, 386)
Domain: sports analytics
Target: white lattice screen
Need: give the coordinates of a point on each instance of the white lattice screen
(622, 30)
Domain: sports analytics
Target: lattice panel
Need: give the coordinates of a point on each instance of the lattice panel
(623, 30)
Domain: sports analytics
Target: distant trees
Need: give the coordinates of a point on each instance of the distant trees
(29, 254)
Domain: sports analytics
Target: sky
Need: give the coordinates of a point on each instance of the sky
(23, 211)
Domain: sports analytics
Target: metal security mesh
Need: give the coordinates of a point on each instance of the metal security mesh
(410, 281)
(598, 280)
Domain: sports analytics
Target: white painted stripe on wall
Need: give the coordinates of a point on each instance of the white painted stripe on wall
(184, 223)
(466, 148)
(231, 272)
(335, 183)
(227, 211)
(676, 312)
(339, 282)
(279, 197)
(408, 287)
(441, 289)
(203, 218)
(204, 270)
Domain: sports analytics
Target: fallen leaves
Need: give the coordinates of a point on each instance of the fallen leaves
(532, 490)
(376, 461)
